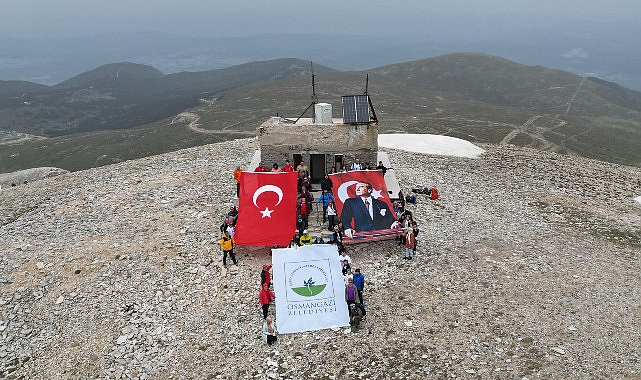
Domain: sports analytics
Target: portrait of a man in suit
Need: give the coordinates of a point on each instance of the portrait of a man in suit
(364, 213)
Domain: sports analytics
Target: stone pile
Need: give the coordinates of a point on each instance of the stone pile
(528, 267)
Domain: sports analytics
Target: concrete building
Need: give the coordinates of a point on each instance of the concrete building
(321, 142)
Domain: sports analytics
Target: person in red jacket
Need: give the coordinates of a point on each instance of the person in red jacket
(260, 168)
(265, 277)
(288, 167)
(265, 297)
(409, 243)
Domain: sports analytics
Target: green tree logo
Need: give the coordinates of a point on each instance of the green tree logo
(309, 289)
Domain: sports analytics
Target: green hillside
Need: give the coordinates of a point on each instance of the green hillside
(125, 111)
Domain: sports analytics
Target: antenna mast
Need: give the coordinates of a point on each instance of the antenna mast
(366, 83)
(373, 116)
(314, 97)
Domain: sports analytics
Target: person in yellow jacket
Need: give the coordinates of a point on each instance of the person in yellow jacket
(227, 243)
(306, 239)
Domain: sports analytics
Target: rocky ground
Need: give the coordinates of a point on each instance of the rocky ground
(529, 267)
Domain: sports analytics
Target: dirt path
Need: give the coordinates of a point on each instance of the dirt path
(523, 128)
(192, 120)
(567, 110)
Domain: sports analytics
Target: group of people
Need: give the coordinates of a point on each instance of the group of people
(265, 297)
(227, 229)
(354, 280)
(410, 230)
(304, 204)
(354, 286)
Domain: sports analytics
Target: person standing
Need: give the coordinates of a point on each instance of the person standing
(276, 169)
(409, 244)
(227, 244)
(331, 214)
(306, 239)
(303, 211)
(270, 331)
(237, 173)
(359, 283)
(260, 168)
(265, 297)
(288, 167)
(342, 255)
(302, 169)
(415, 230)
(326, 197)
(265, 276)
(326, 184)
(351, 293)
(300, 226)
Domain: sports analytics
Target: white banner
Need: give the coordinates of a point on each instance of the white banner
(309, 287)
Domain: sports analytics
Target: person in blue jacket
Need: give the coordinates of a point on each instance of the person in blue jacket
(326, 197)
(359, 283)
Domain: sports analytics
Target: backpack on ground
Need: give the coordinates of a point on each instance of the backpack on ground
(433, 193)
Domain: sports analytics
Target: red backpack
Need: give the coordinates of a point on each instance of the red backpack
(434, 193)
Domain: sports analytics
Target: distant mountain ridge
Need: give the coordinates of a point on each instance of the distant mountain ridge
(478, 97)
(125, 95)
(117, 74)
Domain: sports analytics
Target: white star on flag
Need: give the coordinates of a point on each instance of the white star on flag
(376, 194)
(267, 212)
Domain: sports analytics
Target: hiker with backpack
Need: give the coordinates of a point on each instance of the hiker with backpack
(355, 316)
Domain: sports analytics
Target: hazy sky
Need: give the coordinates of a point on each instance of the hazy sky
(26, 18)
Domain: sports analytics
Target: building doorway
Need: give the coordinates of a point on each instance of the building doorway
(297, 159)
(316, 167)
(338, 162)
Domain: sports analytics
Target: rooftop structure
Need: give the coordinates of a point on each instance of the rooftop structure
(320, 145)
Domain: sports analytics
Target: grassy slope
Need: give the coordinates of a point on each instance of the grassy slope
(472, 96)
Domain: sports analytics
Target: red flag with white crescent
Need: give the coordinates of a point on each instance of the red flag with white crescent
(377, 223)
(266, 209)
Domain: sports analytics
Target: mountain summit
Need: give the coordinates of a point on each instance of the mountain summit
(524, 262)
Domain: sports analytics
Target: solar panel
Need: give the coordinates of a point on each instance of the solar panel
(355, 109)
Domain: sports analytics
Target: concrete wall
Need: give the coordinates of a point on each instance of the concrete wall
(280, 141)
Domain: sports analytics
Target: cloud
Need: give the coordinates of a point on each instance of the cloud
(576, 52)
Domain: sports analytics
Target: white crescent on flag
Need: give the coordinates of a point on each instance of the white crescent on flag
(266, 188)
(267, 213)
(342, 190)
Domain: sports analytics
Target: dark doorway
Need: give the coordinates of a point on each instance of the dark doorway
(338, 162)
(297, 159)
(317, 167)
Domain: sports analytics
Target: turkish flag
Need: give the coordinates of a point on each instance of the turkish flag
(266, 209)
(379, 223)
